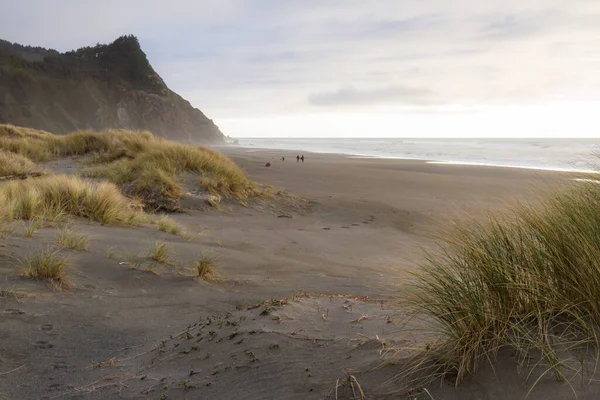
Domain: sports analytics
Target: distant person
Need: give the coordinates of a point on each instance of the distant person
(297, 158)
(302, 158)
(282, 158)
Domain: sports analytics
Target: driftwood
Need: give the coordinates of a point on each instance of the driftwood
(22, 176)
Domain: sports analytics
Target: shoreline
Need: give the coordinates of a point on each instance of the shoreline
(250, 150)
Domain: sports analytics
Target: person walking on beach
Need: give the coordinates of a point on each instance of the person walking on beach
(297, 158)
(302, 158)
(282, 158)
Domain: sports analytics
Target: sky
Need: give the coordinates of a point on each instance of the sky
(353, 68)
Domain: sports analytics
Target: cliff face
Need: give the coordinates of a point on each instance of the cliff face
(100, 87)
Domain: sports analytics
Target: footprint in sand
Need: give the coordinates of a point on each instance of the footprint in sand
(56, 387)
(42, 344)
(47, 327)
(14, 311)
(370, 219)
(326, 229)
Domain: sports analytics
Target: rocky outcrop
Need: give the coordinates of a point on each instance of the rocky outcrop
(100, 87)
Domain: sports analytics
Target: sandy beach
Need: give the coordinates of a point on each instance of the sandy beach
(308, 297)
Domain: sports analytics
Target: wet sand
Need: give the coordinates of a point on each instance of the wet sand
(340, 256)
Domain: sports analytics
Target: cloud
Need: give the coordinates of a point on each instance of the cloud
(509, 25)
(252, 58)
(391, 94)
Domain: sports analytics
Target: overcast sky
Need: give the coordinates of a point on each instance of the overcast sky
(375, 68)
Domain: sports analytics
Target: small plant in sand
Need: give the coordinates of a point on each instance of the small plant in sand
(207, 270)
(166, 224)
(46, 264)
(32, 226)
(111, 253)
(136, 263)
(159, 252)
(69, 237)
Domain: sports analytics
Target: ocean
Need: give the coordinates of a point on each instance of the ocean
(548, 154)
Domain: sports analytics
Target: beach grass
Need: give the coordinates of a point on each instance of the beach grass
(142, 165)
(51, 197)
(528, 280)
(71, 238)
(159, 252)
(15, 164)
(207, 270)
(167, 225)
(46, 264)
(32, 226)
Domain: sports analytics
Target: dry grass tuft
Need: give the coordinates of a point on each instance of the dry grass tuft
(70, 238)
(166, 224)
(152, 175)
(47, 264)
(15, 164)
(51, 197)
(527, 280)
(159, 252)
(207, 270)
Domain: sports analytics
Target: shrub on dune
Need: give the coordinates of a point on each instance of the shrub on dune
(50, 196)
(528, 280)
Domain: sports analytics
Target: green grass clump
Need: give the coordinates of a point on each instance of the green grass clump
(70, 238)
(206, 269)
(15, 164)
(46, 264)
(52, 196)
(528, 280)
(159, 252)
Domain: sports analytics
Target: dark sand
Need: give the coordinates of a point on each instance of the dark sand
(341, 257)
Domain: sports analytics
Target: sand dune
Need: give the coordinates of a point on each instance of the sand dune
(339, 255)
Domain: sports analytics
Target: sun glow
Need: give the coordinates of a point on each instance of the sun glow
(546, 120)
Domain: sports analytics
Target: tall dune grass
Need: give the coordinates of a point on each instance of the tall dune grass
(13, 164)
(142, 165)
(528, 279)
(53, 196)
